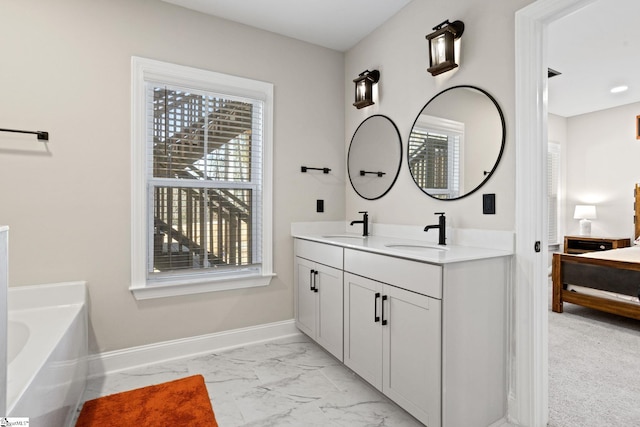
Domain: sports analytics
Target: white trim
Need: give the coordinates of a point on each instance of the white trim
(200, 79)
(529, 394)
(439, 123)
(4, 286)
(138, 180)
(502, 422)
(185, 288)
(134, 357)
(143, 70)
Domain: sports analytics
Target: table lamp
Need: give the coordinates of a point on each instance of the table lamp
(584, 213)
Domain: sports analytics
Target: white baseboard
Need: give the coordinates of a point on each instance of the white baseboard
(502, 422)
(121, 360)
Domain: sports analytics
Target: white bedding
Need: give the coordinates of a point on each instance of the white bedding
(630, 254)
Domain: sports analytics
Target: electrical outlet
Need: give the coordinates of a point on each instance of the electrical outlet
(319, 205)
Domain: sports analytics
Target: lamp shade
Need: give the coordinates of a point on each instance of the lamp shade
(585, 212)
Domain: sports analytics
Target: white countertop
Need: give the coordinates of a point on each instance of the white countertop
(413, 249)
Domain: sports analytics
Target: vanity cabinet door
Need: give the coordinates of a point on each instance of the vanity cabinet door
(305, 297)
(330, 309)
(411, 352)
(392, 339)
(319, 307)
(362, 333)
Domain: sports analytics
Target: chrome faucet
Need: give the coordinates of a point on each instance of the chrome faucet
(441, 226)
(364, 222)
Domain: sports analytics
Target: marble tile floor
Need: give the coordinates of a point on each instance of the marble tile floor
(287, 382)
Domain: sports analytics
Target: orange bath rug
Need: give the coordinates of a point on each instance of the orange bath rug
(183, 402)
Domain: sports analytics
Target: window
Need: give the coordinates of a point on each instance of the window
(201, 180)
(553, 192)
(435, 147)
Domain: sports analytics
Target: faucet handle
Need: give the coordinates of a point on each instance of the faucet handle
(439, 213)
(362, 212)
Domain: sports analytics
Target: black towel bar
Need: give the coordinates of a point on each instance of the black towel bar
(306, 168)
(42, 136)
(363, 173)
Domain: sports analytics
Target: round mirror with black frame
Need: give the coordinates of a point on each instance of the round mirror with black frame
(375, 157)
(456, 142)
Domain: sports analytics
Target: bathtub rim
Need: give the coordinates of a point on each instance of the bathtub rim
(24, 297)
(69, 298)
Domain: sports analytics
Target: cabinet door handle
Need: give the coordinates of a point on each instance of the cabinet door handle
(384, 321)
(315, 281)
(376, 318)
(311, 279)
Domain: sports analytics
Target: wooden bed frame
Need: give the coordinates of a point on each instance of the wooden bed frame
(615, 276)
(621, 277)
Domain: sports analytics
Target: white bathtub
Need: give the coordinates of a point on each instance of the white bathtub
(47, 352)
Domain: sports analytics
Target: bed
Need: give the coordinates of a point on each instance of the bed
(608, 281)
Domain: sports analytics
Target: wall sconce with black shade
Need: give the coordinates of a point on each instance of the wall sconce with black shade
(364, 88)
(441, 46)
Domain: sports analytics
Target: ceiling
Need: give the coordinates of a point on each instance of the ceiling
(336, 24)
(595, 48)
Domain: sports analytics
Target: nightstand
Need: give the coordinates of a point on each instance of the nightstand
(582, 244)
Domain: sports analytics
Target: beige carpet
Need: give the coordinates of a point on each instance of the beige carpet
(594, 368)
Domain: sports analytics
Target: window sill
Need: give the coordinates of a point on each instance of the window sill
(177, 289)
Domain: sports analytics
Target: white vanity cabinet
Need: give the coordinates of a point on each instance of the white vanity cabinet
(442, 353)
(393, 335)
(319, 294)
(430, 334)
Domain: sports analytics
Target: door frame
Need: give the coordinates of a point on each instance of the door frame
(529, 385)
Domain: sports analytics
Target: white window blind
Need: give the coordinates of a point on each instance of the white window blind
(203, 141)
(204, 175)
(434, 156)
(553, 186)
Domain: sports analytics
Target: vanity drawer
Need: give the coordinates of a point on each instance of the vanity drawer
(319, 252)
(425, 279)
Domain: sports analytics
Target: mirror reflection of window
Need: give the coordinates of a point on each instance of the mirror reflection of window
(435, 155)
(473, 125)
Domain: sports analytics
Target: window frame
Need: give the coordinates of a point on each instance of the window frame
(144, 70)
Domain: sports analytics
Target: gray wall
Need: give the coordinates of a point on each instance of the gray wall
(399, 50)
(601, 159)
(65, 68)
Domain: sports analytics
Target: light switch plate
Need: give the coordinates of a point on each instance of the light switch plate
(489, 204)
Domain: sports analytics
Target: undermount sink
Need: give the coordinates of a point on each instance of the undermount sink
(416, 247)
(343, 236)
